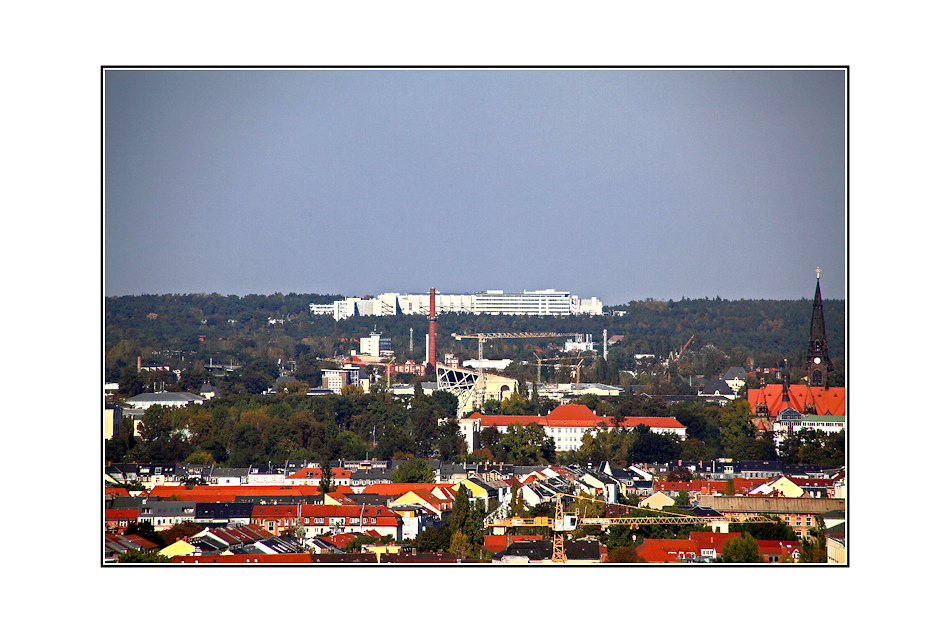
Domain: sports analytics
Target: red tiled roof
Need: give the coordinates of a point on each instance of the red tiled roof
(572, 412)
(228, 493)
(778, 548)
(401, 489)
(495, 543)
(115, 514)
(714, 540)
(827, 401)
(673, 547)
(653, 553)
(340, 540)
(576, 415)
(117, 492)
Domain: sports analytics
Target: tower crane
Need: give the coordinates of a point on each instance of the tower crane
(564, 522)
(576, 367)
(485, 336)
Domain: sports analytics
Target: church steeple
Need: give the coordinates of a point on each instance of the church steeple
(819, 361)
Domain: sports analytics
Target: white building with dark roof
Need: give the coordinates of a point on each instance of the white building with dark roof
(164, 398)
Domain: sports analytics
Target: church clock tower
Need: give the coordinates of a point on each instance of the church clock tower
(819, 363)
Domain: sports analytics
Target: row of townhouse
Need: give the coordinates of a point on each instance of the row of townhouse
(725, 468)
(313, 520)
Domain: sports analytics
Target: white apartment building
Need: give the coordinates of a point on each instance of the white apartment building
(534, 302)
(790, 421)
(375, 345)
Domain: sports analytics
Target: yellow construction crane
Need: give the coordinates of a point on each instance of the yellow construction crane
(485, 336)
(576, 367)
(564, 522)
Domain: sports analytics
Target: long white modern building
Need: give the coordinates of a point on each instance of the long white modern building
(528, 302)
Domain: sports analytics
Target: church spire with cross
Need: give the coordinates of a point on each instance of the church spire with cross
(819, 362)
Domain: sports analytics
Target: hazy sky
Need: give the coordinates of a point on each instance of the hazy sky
(619, 183)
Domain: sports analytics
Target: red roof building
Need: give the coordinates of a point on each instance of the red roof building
(119, 519)
(321, 519)
(568, 423)
(769, 400)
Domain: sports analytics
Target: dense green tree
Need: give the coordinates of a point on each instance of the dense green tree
(415, 470)
(624, 554)
(146, 530)
(815, 550)
(744, 549)
(131, 382)
(179, 531)
(461, 511)
(445, 404)
(326, 477)
(437, 539)
(450, 442)
(136, 556)
(525, 445)
(199, 457)
(618, 536)
(424, 425)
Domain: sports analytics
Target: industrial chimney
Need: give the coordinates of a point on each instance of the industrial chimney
(431, 340)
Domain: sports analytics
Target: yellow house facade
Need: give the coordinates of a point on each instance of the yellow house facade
(179, 548)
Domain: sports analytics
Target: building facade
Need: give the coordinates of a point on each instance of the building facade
(566, 425)
(528, 302)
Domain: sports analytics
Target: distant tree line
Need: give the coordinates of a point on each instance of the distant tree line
(185, 331)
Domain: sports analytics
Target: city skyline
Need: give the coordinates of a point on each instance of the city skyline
(620, 184)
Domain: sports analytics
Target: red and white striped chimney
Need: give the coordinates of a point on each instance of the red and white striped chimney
(432, 327)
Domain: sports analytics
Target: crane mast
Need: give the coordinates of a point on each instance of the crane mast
(485, 336)
(564, 522)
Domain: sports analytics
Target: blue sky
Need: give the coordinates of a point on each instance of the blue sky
(617, 183)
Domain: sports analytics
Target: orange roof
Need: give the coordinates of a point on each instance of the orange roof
(673, 547)
(340, 540)
(228, 493)
(117, 492)
(714, 540)
(653, 553)
(572, 412)
(827, 401)
(401, 489)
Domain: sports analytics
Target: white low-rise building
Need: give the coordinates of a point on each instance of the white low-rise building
(791, 421)
(164, 398)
